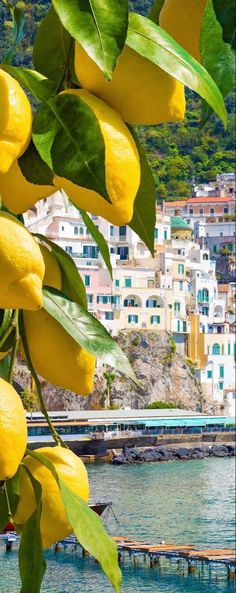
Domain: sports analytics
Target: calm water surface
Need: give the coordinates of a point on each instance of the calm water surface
(191, 502)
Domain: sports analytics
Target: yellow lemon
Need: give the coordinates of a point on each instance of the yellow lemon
(22, 266)
(18, 194)
(13, 430)
(182, 20)
(15, 121)
(122, 167)
(54, 523)
(63, 363)
(139, 90)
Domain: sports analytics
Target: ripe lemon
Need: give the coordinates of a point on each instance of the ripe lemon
(182, 20)
(18, 194)
(139, 90)
(22, 266)
(121, 163)
(13, 430)
(54, 524)
(15, 121)
(63, 363)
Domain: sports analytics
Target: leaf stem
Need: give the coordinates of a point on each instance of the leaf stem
(7, 500)
(15, 323)
(43, 408)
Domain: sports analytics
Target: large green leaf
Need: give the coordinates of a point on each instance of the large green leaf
(144, 216)
(5, 320)
(18, 31)
(52, 40)
(67, 136)
(217, 56)
(91, 534)
(100, 26)
(13, 491)
(153, 43)
(86, 331)
(4, 517)
(98, 237)
(39, 86)
(32, 563)
(72, 283)
(87, 526)
(4, 368)
(225, 13)
(34, 169)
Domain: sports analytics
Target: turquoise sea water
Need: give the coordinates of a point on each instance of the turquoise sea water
(181, 502)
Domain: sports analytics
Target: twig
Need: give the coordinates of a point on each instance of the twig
(15, 323)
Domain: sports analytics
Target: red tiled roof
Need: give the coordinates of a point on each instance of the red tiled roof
(223, 288)
(200, 200)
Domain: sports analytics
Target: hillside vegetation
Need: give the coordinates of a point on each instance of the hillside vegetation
(179, 154)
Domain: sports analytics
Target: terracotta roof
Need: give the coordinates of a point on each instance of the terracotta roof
(223, 288)
(200, 200)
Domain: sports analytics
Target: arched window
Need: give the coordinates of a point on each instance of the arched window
(205, 256)
(76, 230)
(216, 349)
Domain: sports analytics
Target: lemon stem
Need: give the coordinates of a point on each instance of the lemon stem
(15, 325)
(43, 408)
(7, 500)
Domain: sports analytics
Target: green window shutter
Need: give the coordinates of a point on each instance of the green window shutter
(221, 368)
(221, 386)
(117, 283)
(178, 325)
(128, 282)
(209, 374)
(229, 348)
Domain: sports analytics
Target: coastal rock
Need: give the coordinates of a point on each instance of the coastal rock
(161, 454)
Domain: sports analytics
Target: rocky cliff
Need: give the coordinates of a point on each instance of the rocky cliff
(163, 371)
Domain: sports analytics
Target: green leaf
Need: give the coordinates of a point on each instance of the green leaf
(13, 490)
(91, 534)
(39, 86)
(98, 237)
(18, 31)
(4, 517)
(156, 11)
(153, 43)
(52, 40)
(4, 368)
(86, 331)
(67, 136)
(217, 57)
(72, 283)
(99, 26)
(34, 169)
(31, 559)
(87, 526)
(225, 14)
(5, 320)
(144, 217)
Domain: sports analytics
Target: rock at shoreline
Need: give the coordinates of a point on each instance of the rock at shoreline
(153, 454)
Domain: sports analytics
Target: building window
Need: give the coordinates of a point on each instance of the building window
(184, 326)
(133, 319)
(209, 374)
(76, 230)
(108, 315)
(150, 283)
(229, 348)
(122, 231)
(221, 386)
(117, 282)
(87, 280)
(170, 307)
(180, 269)
(205, 256)
(212, 210)
(81, 230)
(181, 285)
(226, 210)
(69, 249)
(62, 228)
(128, 282)
(156, 234)
(190, 210)
(201, 211)
(104, 299)
(216, 349)
(178, 325)
(205, 311)
(165, 235)
(177, 307)
(155, 319)
(221, 371)
(214, 248)
(222, 349)
(89, 298)
(113, 250)
(111, 231)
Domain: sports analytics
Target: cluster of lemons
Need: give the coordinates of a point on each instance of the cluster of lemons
(139, 93)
